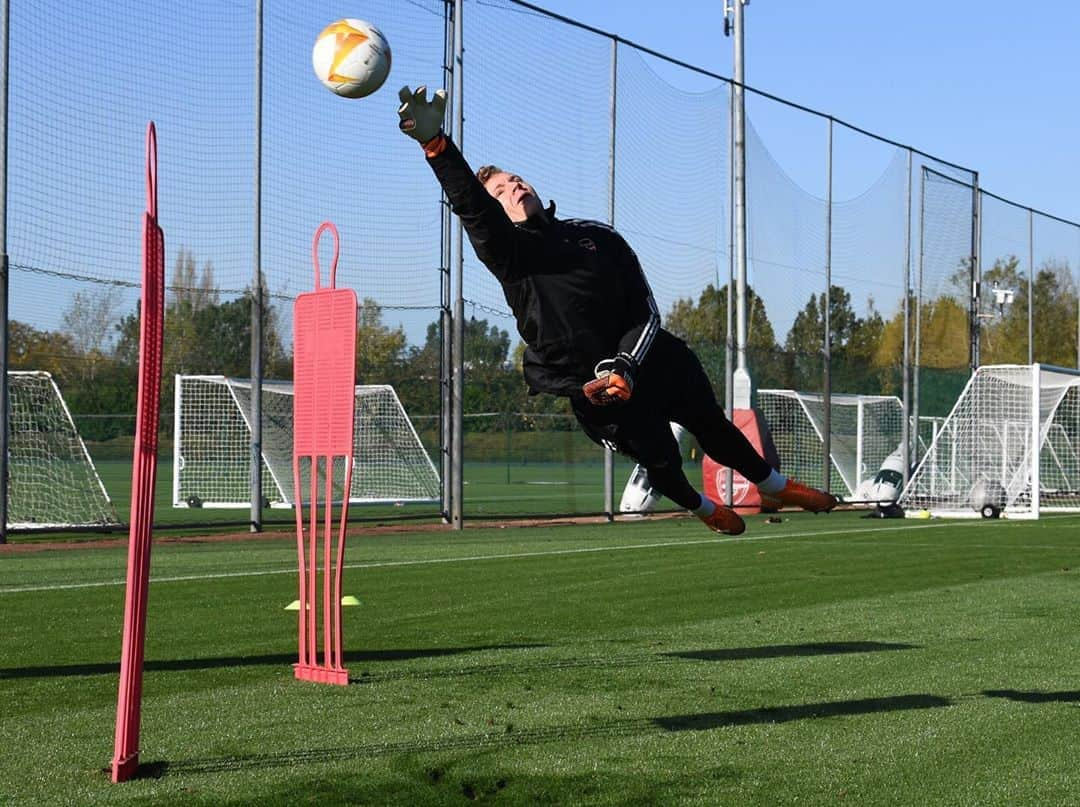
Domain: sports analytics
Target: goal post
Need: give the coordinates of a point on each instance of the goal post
(1009, 447)
(864, 431)
(212, 439)
(52, 481)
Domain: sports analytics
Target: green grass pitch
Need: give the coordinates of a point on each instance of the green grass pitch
(822, 660)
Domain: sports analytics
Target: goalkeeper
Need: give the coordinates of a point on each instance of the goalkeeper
(592, 329)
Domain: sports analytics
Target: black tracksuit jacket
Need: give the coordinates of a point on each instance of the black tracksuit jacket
(576, 288)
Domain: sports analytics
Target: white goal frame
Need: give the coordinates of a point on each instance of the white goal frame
(45, 450)
(389, 467)
(1010, 447)
(865, 431)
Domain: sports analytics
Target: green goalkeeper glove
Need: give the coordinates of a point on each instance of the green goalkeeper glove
(421, 119)
(614, 382)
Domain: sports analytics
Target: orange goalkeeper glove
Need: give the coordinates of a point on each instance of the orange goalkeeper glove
(614, 382)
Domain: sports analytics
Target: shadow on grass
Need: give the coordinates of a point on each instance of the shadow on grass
(510, 736)
(805, 711)
(268, 660)
(633, 660)
(1034, 697)
(783, 650)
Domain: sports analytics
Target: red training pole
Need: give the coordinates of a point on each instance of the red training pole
(129, 701)
(324, 381)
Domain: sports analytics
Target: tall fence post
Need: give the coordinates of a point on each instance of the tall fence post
(742, 376)
(446, 322)
(917, 352)
(609, 455)
(976, 273)
(1031, 288)
(905, 360)
(458, 392)
(5, 423)
(826, 415)
(257, 291)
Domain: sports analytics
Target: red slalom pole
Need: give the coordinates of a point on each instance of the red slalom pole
(129, 701)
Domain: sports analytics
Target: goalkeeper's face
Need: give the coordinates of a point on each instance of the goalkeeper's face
(516, 196)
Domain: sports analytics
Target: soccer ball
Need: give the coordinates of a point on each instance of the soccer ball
(351, 58)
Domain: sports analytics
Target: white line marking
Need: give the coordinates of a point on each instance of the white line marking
(906, 526)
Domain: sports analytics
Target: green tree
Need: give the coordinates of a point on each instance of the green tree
(854, 344)
(493, 381)
(33, 349)
(380, 350)
(1052, 299)
(704, 327)
(205, 336)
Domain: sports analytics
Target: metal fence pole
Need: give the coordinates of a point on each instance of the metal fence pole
(917, 353)
(826, 416)
(1031, 288)
(905, 360)
(257, 292)
(458, 392)
(729, 332)
(976, 273)
(5, 423)
(446, 425)
(609, 455)
(742, 377)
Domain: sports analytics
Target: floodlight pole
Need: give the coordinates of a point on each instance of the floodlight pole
(741, 376)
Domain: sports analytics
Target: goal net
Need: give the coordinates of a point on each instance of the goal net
(212, 446)
(864, 431)
(52, 482)
(1010, 445)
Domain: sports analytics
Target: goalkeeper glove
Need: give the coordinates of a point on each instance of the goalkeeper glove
(614, 382)
(421, 119)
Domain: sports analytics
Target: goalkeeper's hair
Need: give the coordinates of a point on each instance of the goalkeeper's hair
(486, 172)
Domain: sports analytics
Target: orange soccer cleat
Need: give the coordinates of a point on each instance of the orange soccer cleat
(796, 494)
(724, 520)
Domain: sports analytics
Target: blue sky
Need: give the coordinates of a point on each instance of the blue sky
(987, 84)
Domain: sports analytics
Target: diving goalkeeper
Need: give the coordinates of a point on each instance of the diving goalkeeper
(592, 329)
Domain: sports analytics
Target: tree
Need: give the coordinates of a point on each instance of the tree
(1054, 304)
(33, 349)
(1052, 300)
(380, 350)
(493, 381)
(704, 327)
(88, 322)
(205, 336)
(189, 289)
(853, 347)
(706, 321)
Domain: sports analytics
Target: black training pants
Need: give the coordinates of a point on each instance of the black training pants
(671, 386)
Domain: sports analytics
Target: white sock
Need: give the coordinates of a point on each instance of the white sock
(774, 483)
(706, 508)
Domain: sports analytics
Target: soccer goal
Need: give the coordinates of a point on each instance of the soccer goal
(865, 430)
(212, 446)
(1010, 446)
(52, 482)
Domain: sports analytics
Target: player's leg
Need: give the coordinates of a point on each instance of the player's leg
(697, 409)
(651, 444)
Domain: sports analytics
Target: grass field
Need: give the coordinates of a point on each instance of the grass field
(822, 660)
